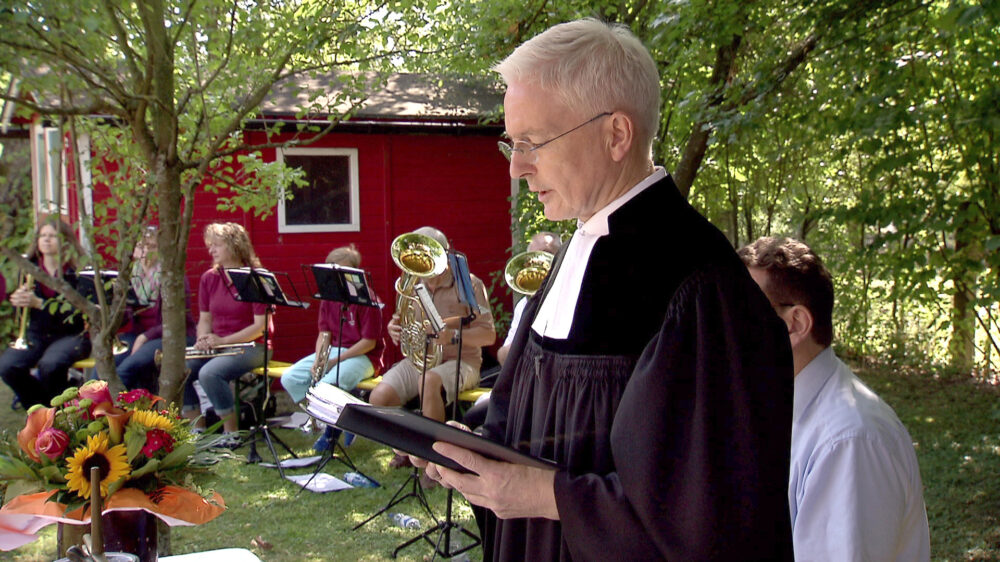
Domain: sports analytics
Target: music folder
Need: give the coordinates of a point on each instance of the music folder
(260, 285)
(87, 288)
(404, 430)
(343, 284)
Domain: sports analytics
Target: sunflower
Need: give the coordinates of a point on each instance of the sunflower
(152, 420)
(112, 462)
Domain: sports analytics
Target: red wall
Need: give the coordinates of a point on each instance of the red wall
(459, 184)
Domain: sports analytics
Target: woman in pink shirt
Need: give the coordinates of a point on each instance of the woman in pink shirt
(223, 320)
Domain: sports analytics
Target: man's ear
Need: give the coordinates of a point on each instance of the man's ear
(622, 135)
(800, 324)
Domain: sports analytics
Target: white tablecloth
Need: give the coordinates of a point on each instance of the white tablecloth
(222, 555)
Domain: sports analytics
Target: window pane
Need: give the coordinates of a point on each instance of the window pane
(326, 199)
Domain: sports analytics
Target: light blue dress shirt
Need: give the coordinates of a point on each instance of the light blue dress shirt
(854, 485)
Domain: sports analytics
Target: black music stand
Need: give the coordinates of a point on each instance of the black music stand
(346, 285)
(459, 266)
(262, 286)
(412, 482)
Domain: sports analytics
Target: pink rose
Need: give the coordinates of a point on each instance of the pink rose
(97, 391)
(38, 421)
(52, 443)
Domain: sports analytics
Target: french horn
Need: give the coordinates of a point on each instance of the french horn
(418, 256)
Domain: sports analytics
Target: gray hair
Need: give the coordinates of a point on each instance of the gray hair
(591, 66)
(435, 234)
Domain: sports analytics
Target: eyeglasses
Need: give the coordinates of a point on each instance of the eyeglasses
(527, 150)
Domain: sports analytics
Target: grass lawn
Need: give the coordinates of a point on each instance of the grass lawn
(955, 425)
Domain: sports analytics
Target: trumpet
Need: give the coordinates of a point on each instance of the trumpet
(525, 272)
(21, 343)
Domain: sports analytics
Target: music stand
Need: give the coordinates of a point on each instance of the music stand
(436, 324)
(459, 266)
(346, 285)
(262, 286)
(88, 288)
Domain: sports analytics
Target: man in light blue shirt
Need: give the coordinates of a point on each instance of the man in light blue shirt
(854, 487)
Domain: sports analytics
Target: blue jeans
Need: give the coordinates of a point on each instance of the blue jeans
(298, 378)
(216, 373)
(138, 370)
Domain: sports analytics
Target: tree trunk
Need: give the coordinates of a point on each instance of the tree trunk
(166, 179)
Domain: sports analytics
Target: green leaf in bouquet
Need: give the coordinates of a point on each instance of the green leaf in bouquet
(52, 473)
(135, 439)
(18, 487)
(178, 456)
(150, 466)
(13, 468)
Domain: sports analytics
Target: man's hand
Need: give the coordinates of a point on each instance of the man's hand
(394, 329)
(509, 490)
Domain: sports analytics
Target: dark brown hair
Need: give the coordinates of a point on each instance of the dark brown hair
(795, 275)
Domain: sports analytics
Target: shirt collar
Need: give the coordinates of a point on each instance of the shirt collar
(597, 225)
(811, 379)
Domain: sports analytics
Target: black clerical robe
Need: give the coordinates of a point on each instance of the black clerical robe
(669, 404)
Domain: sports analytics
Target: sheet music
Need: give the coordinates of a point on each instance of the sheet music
(326, 402)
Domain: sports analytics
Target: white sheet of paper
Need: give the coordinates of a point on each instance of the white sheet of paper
(323, 482)
(300, 462)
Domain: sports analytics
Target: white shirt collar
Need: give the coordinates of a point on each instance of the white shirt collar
(597, 225)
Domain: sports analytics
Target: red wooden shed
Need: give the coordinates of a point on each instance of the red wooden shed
(418, 152)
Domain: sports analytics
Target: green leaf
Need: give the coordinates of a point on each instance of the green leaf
(178, 456)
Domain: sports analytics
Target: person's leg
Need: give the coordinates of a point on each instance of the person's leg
(440, 387)
(56, 360)
(431, 400)
(192, 405)
(216, 375)
(138, 370)
(352, 371)
(127, 338)
(15, 369)
(398, 386)
(297, 378)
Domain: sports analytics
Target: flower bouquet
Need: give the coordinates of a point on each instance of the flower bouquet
(146, 454)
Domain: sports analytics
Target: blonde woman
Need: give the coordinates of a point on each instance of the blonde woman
(223, 320)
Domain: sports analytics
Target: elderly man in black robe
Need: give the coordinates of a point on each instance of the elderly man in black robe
(650, 367)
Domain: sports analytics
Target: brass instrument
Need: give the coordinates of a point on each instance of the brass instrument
(217, 351)
(418, 256)
(21, 343)
(322, 356)
(525, 272)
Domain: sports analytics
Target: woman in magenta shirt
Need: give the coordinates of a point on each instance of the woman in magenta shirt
(223, 320)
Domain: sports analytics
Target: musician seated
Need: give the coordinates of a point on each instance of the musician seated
(402, 382)
(358, 346)
(543, 241)
(53, 338)
(137, 367)
(224, 321)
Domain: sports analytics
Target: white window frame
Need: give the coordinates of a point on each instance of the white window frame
(49, 170)
(354, 225)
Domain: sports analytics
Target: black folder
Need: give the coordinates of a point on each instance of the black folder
(404, 430)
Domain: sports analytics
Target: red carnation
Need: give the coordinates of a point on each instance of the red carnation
(157, 439)
(134, 395)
